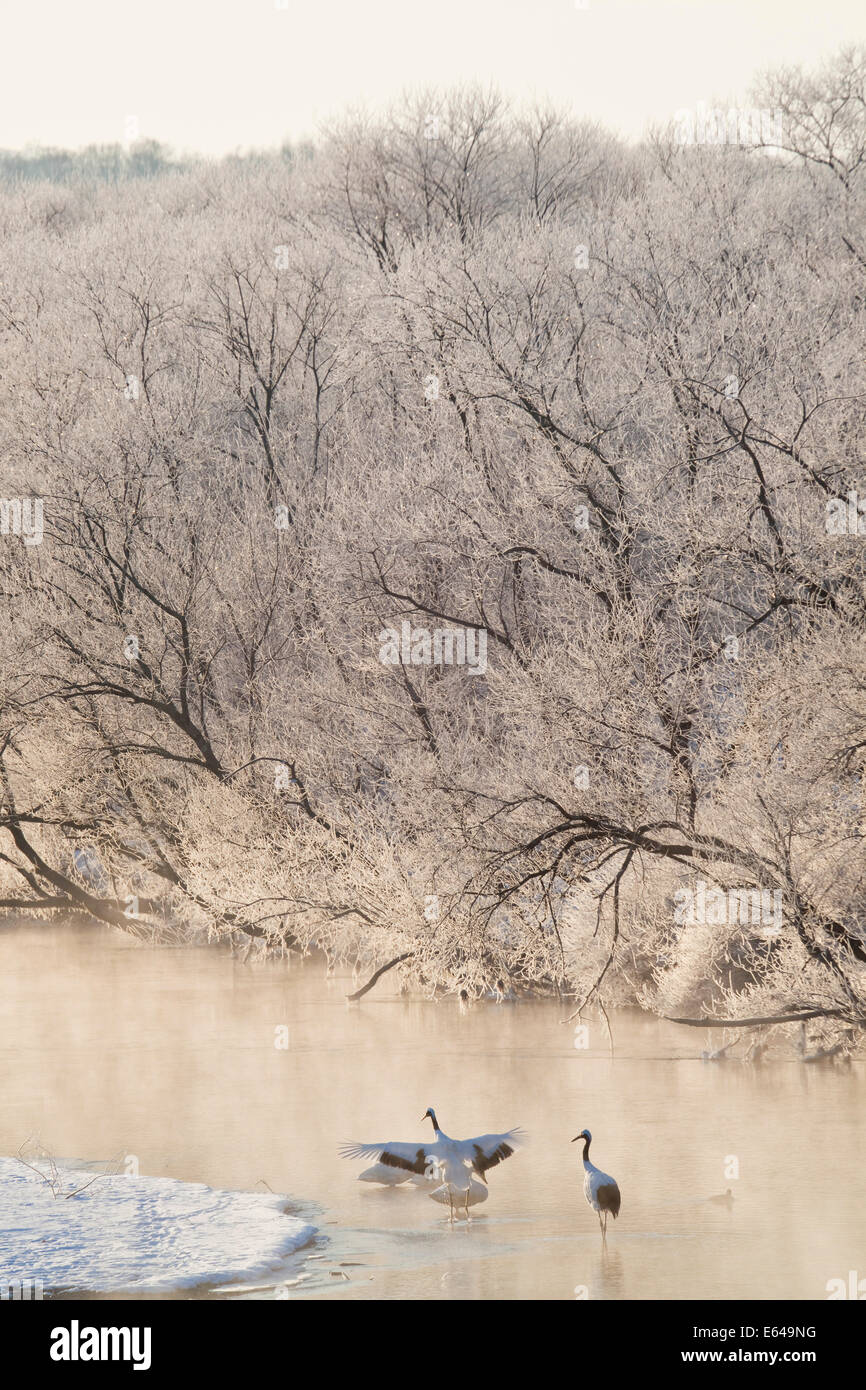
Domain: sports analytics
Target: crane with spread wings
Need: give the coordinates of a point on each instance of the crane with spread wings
(457, 1166)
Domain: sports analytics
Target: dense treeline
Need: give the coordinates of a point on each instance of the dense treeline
(449, 546)
(115, 163)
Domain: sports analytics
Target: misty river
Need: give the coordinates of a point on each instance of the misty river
(249, 1076)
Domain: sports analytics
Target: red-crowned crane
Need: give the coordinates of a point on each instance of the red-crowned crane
(600, 1190)
(456, 1165)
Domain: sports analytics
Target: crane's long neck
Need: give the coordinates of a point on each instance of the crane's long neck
(586, 1144)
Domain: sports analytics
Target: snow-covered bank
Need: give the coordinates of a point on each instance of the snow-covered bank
(135, 1233)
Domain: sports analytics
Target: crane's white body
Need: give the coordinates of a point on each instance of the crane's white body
(456, 1166)
(593, 1179)
(476, 1192)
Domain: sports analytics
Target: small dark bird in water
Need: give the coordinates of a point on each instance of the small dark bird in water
(600, 1190)
(725, 1198)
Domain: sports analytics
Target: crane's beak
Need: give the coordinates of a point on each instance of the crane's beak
(576, 1137)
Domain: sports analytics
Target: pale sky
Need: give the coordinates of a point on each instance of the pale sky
(218, 75)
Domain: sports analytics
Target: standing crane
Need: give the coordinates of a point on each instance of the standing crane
(600, 1190)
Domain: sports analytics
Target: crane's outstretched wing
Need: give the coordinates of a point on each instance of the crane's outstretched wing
(412, 1158)
(489, 1149)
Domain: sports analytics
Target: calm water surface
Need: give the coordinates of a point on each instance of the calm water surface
(110, 1048)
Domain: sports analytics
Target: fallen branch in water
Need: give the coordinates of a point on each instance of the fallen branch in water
(760, 1022)
(379, 973)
